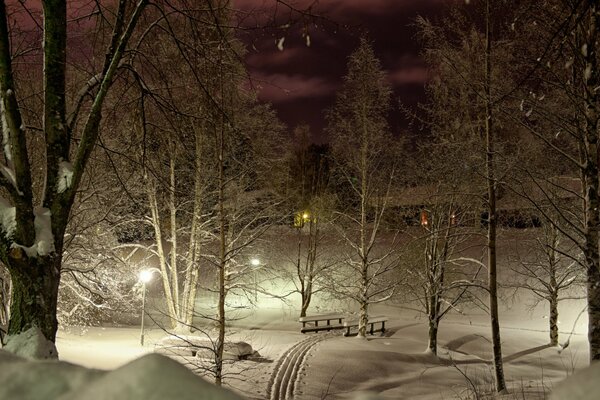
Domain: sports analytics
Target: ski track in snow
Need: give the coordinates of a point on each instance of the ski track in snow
(286, 372)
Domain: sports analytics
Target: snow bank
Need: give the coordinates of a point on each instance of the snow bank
(201, 347)
(48, 379)
(151, 377)
(31, 344)
(583, 385)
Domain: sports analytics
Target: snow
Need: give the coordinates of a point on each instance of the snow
(31, 344)
(280, 42)
(151, 377)
(8, 222)
(394, 365)
(44, 239)
(583, 385)
(65, 176)
(201, 347)
(5, 132)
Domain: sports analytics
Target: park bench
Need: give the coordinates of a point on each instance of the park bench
(310, 323)
(348, 325)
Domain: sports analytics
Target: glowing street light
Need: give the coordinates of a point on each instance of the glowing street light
(255, 262)
(145, 276)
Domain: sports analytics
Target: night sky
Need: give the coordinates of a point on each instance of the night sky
(301, 81)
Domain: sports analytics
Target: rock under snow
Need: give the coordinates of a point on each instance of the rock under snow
(31, 344)
(201, 347)
(151, 377)
(583, 385)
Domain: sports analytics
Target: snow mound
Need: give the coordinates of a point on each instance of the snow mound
(201, 347)
(583, 385)
(46, 379)
(31, 344)
(152, 377)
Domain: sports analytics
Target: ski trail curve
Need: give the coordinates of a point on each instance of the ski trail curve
(285, 374)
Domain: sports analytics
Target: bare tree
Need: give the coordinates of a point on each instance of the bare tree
(362, 150)
(470, 54)
(441, 278)
(562, 67)
(312, 205)
(549, 272)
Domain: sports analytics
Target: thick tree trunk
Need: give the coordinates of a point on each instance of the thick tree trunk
(591, 183)
(35, 284)
(433, 333)
(363, 319)
(306, 297)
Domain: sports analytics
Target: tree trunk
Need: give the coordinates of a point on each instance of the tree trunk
(553, 320)
(173, 254)
(491, 239)
(363, 319)
(153, 203)
(591, 185)
(364, 306)
(35, 284)
(222, 261)
(433, 333)
(306, 297)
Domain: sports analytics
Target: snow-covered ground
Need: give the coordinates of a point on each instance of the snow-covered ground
(393, 365)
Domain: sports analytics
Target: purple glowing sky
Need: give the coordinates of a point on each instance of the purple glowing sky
(301, 81)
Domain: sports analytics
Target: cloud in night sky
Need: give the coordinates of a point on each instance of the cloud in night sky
(301, 81)
(279, 88)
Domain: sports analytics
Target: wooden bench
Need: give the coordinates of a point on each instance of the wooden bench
(310, 323)
(371, 322)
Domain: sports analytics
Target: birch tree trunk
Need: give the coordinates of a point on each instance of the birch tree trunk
(222, 262)
(158, 238)
(192, 271)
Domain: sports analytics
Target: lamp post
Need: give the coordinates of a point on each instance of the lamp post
(255, 262)
(145, 277)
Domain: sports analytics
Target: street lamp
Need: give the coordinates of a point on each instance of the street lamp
(255, 262)
(145, 276)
